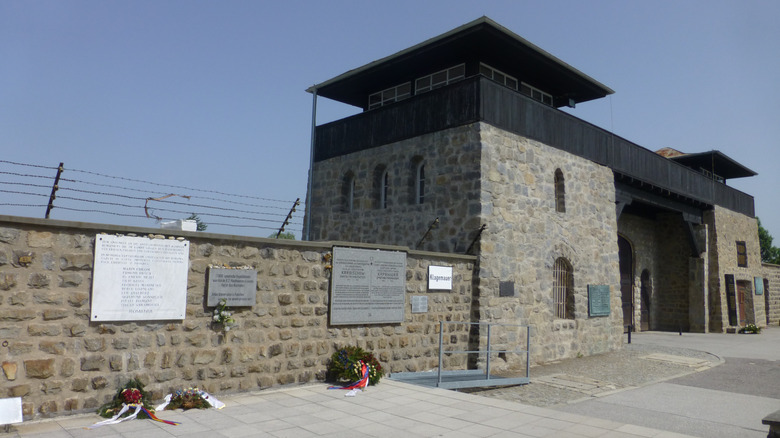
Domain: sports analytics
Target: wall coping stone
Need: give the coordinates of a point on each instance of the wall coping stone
(322, 245)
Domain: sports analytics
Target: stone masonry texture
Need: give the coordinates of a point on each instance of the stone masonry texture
(59, 362)
(478, 175)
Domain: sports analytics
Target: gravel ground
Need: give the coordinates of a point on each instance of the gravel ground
(617, 370)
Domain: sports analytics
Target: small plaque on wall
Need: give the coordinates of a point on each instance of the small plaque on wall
(598, 300)
(439, 277)
(238, 287)
(419, 304)
(759, 288)
(506, 289)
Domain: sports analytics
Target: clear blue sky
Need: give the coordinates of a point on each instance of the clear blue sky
(210, 94)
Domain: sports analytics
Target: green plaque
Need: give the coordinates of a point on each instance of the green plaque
(598, 300)
(759, 285)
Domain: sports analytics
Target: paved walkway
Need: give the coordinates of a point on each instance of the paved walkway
(390, 409)
(625, 388)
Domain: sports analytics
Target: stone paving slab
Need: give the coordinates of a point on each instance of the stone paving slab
(691, 362)
(581, 384)
(390, 409)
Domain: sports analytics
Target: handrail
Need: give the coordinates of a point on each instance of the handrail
(489, 350)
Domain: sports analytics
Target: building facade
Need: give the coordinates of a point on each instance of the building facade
(462, 148)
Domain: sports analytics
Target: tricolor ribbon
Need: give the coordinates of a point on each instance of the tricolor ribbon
(116, 419)
(362, 383)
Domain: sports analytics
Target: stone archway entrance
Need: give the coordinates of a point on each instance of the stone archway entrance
(626, 256)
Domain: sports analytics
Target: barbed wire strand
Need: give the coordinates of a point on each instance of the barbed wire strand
(145, 199)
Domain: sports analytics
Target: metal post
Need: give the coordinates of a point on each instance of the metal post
(629, 334)
(528, 351)
(307, 233)
(54, 189)
(441, 338)
(489, 352)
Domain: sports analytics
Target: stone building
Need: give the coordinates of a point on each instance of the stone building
(461, 147)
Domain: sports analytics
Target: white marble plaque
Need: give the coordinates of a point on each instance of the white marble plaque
(439, 277)
(137, 278)
(419, 304)
(368, 286)
(10, 410)
(238, 287)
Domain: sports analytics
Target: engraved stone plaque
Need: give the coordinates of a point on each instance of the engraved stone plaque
(137, 278)
(598, 300)
(759, 285)
(419, 304)
(367, 287)
(237, 286)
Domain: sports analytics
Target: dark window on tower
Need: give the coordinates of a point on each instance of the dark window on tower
(742, 254)
(560, 192)
(384, 187)
(563, 289)
(420, 183)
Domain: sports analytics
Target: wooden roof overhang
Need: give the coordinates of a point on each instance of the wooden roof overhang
(482, 40)
(715, 162)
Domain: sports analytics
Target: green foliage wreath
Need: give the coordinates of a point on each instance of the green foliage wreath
(345, 365)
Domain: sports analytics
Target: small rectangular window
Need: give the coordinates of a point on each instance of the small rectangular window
(742, 254)
(389, 95)
(440, 78)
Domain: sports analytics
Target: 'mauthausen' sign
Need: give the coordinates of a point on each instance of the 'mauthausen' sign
(439, 277)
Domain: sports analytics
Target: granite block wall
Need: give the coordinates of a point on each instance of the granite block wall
(59, 362)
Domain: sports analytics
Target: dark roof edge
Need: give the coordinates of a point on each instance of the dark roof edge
(481, 20)
(722, 155)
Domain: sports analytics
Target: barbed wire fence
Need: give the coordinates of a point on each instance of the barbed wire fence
(95, 197)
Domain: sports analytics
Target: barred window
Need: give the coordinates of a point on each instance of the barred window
(563, 289)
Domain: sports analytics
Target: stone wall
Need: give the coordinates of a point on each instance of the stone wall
(452, 182)
(60, 362)
(674, 251)
(725, 229)
(525, 234)
(772, 293)
(642, 234)
(478, 175)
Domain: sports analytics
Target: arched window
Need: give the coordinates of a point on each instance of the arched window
(348, 186)
(382, 186)
(560, 192)
(419, 183)
(349, 192)
(563, 289)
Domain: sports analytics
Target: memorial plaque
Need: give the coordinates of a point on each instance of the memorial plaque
(598, 300)
(237, 286)
(759, 288)
(10, 410)
(506, 289)
(419, 304)
(137, 278)
(367, 287)
(731, 299)
(439, 277)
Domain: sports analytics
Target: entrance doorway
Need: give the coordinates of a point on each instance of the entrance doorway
(743, 298)
(626, 256)
(644, 295)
